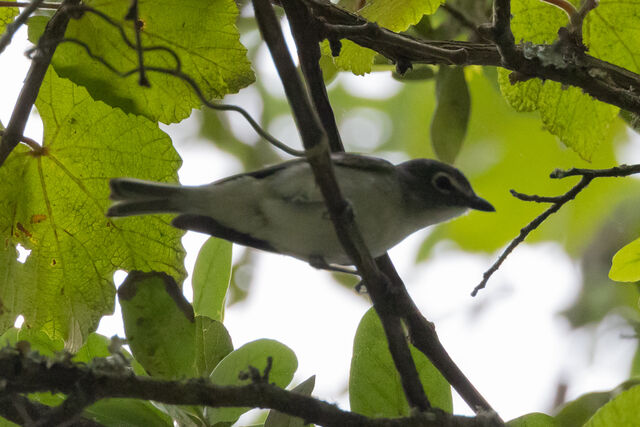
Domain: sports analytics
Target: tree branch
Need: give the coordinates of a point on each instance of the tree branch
(314, 140)
(28, 372)
(393, 302)
(600, 79)
(11, 28)
(557, 202)
(47, 45)
(23, 411)
(308, 47)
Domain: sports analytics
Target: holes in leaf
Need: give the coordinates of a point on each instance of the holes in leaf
(23, 253)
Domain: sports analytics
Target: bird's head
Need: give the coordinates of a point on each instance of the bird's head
(430, 185)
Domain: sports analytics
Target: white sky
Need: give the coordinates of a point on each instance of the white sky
(509, 341)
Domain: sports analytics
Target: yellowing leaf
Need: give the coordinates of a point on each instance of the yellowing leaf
(54, 202)
(6, 16)
(201, 33)
(396, 15)
(578, 120)
(625, 266)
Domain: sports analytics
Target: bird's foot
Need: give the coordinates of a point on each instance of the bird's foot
(319, 263)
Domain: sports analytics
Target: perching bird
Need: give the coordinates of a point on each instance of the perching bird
(280, 208)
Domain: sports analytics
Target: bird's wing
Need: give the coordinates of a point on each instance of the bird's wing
(296, 184)
(206, 224)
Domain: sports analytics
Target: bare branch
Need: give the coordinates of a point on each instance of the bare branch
(459, 16)
(315, 142)
(557, 202)
(600, 79)
(308, 47)
(393, 303)
(47, 44)
(11, 28)
(28, 372)
(23, 411)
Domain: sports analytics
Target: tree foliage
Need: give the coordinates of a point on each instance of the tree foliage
(509, 92)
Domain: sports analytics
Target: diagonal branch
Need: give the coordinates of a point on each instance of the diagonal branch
(47, 45)
(308, 47)
(557, 202)
(315, 142)
(396, 299)
(11, 28)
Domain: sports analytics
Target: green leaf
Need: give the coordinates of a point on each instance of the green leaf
(159, 324)
(38, 340)
(579, 121)
(451, 118)
(211, 276)
(279, 419)
(253, 354)
(98, 345)
(625, 266)
(6, 17)
(578, 411)
(212, 343)
(396, 16)
(535, 419)
(202, 34)
(53, 203)
(127, 412)
(374, 384)
(621, 411)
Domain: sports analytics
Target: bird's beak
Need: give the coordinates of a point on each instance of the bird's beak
(480, 204)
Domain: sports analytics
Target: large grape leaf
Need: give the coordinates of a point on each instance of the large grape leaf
(609, 32)
(201, 33)
(392, 14)
(53, 203)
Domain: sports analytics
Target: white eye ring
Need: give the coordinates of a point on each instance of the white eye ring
(443, 182)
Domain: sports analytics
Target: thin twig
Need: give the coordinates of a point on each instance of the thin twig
(31, 143)
(176, 72)
(462, 19)
(54, 31)
(557, 202)
(614, 172)
(18, 22)
(565, 5)
(42, 5)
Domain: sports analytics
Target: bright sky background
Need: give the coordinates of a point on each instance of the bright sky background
(509, 340)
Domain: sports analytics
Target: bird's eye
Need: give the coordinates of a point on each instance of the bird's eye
(443, 183)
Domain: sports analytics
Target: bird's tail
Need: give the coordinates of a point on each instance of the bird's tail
(138, 197)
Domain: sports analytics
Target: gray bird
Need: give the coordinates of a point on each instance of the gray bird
(280, 208)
